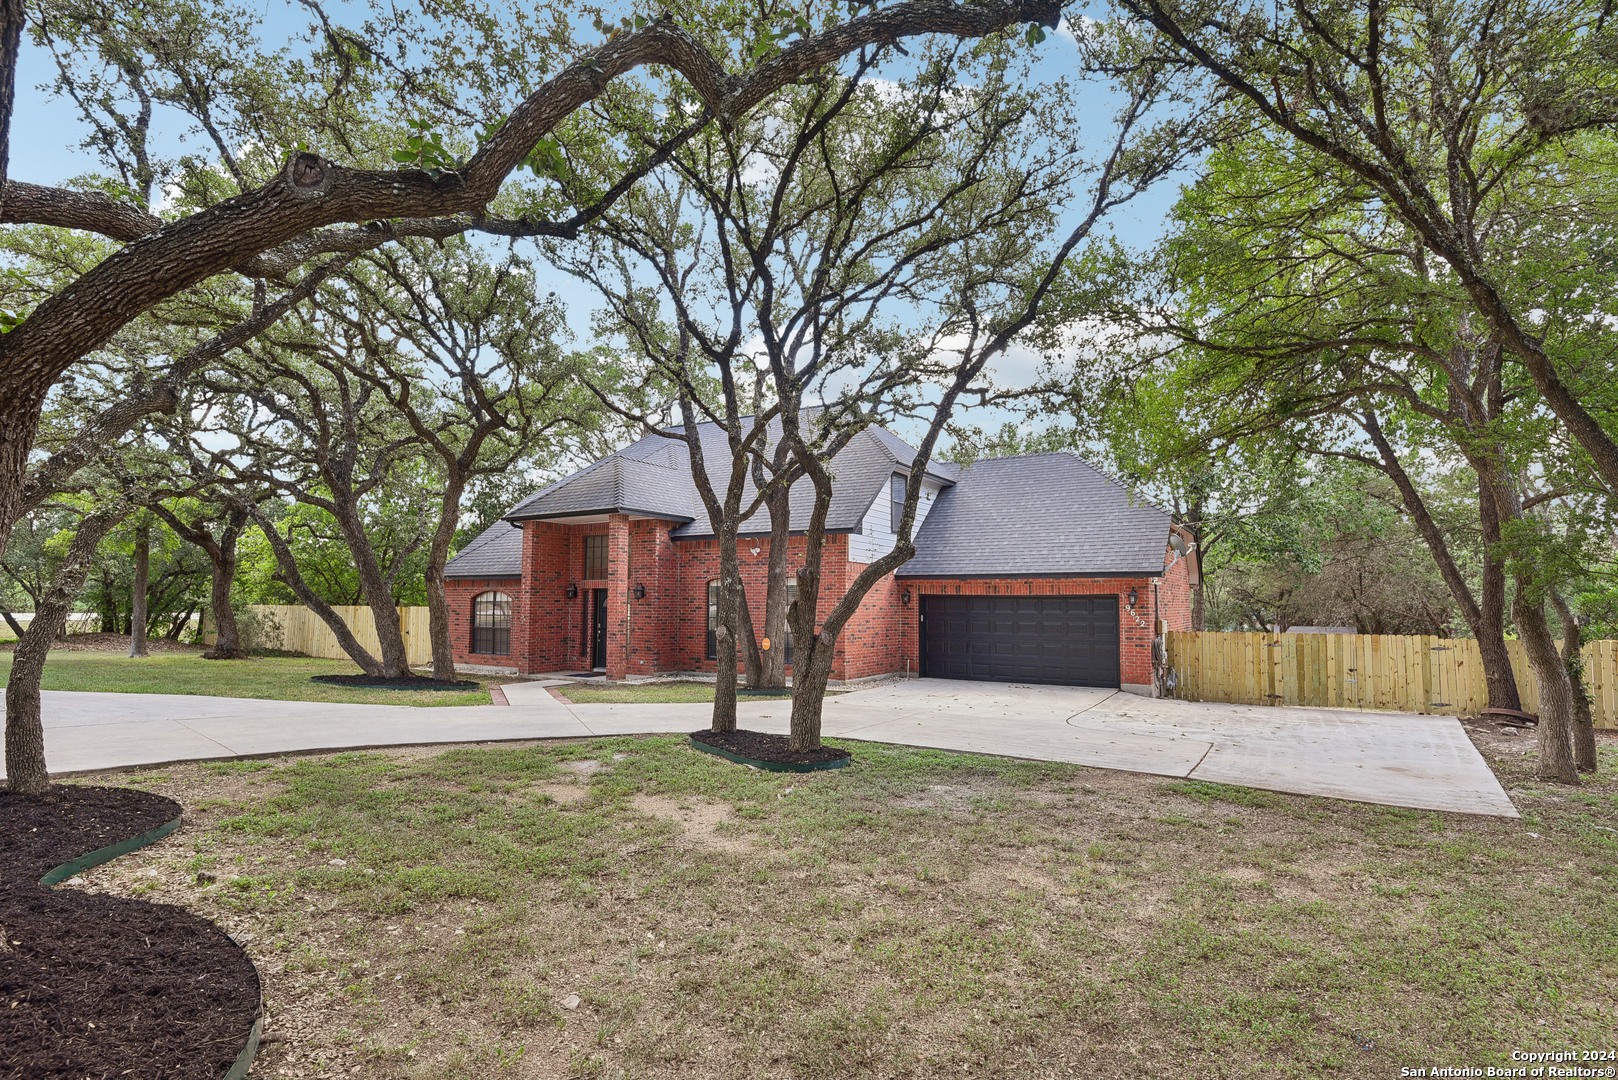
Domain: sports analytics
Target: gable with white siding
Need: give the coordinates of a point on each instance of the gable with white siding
(876, 537)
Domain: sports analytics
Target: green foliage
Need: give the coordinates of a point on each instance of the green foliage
(323, 556)
(424, 150)
(1292, 309)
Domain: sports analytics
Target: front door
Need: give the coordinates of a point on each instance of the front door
(598, 629)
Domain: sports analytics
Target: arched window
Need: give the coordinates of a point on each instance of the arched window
(713, 619)
(491, 623)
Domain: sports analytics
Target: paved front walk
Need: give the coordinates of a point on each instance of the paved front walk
(1424, 762)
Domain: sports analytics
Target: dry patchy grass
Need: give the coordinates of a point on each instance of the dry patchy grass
(630, 908)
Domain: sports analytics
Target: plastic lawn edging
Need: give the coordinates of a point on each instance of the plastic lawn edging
(771, 766)
(108, 853)
(244, 1060)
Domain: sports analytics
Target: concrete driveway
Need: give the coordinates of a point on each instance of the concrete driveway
(1398, 759)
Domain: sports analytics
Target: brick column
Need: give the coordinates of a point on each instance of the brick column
(617, 596)
(540, 608)
(525, 604)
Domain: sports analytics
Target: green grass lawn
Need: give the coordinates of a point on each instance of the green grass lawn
(281, 678)
(661, 693)
(628, 907)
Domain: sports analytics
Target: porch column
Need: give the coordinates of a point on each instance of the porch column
(539, 611)
(618, 584)
(526, 605)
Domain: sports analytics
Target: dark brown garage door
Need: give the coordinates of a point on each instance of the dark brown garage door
(1035, 639)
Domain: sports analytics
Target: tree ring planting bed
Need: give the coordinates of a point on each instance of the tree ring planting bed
(95, 985)
(768, 752)
(408, 682)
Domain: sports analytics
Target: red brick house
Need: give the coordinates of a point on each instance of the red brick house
(1027, 569)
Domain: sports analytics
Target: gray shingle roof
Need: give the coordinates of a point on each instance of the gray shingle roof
(904, 455)
(652, 476)
(496, 552)
(1046, 514)
(621, 483)
(1037, 514)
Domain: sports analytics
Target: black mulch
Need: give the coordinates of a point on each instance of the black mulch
(40, 833)
(761, 747)
(405, 682)
(104, 986)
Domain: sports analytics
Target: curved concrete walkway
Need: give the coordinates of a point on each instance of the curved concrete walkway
(1398, 759)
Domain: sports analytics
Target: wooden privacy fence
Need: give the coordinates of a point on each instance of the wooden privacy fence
(294, 628)
(1418, 674)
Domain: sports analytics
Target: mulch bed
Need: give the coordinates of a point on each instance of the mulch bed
(105, 986)
(761, 747)
(407, 682)
(108, 643)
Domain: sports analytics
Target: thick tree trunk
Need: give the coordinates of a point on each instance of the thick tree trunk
(748, 652)
(1486, 620)
(137, 594)
(449, 517)
(774, 673)
(730, 596)
(811, 671)
(222, 559)
(394, 658)
(812, 658)
(25, 732)
(13, 17)
(1555, 691)
(289, 574)
(227, 643)
(19, 423)
(1199, 610)
(1584, 731)
(1490, 629)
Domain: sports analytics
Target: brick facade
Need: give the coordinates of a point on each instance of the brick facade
(460, 592)
(666, 629)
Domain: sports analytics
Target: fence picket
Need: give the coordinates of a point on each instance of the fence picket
(1417, 674)
(294, 628)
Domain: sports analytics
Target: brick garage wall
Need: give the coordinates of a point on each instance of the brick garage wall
(459, 593)
(1174, 592)
(883, 636)
(1134, 627)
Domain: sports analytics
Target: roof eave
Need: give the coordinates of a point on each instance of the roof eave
(766, 534)
(1021, 574)
(517, 519)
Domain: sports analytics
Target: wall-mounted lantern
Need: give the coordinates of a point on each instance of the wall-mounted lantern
(572, 591)
(904, 596)
(1134, 597)
(640, 592)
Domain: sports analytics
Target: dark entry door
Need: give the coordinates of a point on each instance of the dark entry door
(1071, 640)
(598, 629)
